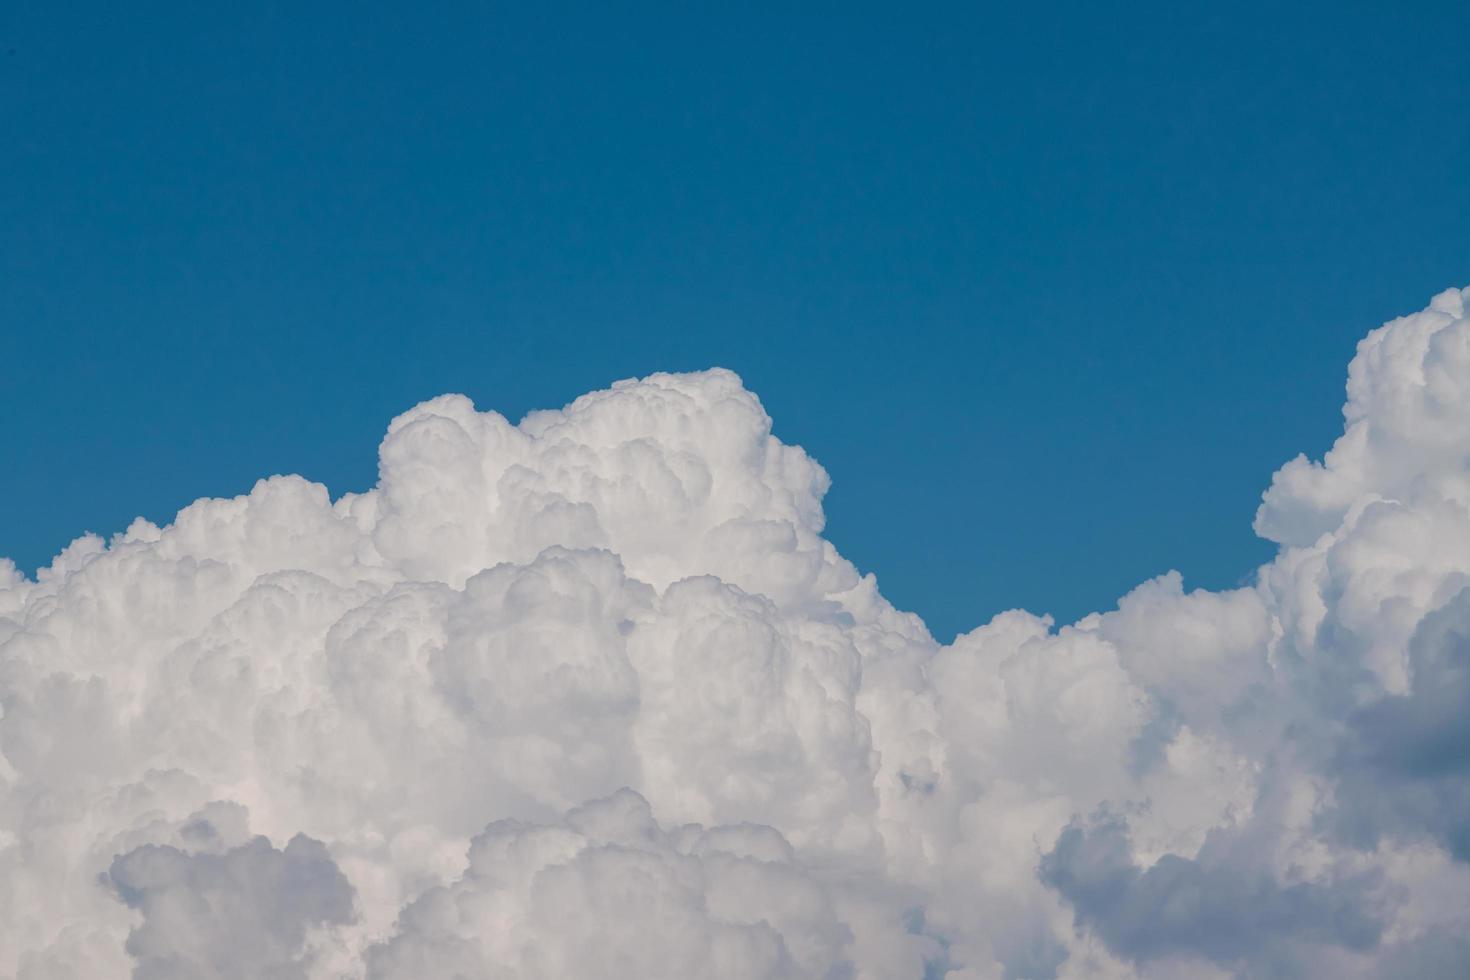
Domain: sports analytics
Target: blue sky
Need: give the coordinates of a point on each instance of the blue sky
(1050, 293)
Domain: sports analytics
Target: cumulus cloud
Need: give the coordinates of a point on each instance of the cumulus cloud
(1404, 767)
(242, 913)
(1226, 910)
(606, 891)
(591, 695)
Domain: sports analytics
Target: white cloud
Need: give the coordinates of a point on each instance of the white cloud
(606, 891)
(411, 695)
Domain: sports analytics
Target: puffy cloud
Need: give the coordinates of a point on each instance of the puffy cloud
(1404, 768)
(245, 912)
(606, 891)
(1217, 906)
(591, 695)
(1405, 437)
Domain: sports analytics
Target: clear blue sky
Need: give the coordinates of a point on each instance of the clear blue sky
(1049, 291)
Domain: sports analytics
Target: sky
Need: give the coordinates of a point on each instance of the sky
(1152, 320)
(1050, 292)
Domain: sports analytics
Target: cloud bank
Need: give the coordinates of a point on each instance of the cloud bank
(592, 696)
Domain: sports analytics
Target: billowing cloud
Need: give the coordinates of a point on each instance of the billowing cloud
(1226, 910)
(606, 891)
(591, 695)
(242, 913)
